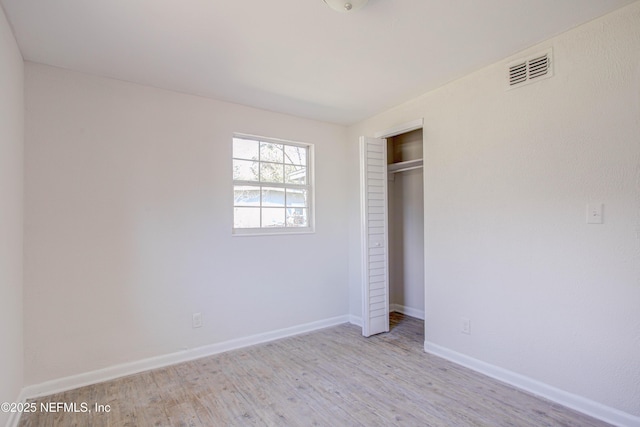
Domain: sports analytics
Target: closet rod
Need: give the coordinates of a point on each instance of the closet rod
(404, 166)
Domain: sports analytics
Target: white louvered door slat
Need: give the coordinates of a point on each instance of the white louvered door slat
(375, 268)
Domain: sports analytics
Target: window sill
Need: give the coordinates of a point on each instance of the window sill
(241, 232)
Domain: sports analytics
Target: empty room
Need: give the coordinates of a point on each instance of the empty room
(320, 212)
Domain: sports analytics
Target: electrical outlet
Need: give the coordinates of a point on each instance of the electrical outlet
(196, 320)
(594, 213)
(465, 326)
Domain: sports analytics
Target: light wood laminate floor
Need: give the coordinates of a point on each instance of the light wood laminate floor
(333, 377)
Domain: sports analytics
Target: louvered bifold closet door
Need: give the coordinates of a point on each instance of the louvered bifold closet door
(373, 193)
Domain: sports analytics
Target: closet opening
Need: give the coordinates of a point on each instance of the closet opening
(405, 211)
(392, 227)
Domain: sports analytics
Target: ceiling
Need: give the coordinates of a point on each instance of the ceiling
(293, 56)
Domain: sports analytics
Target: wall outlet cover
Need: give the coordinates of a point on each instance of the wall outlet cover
(594, 213)
(465, 326)
(196, 320)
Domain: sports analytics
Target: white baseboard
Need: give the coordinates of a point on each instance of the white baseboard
(112, 372)
(573, 401)
(355, 320)
(419, 314)
(413, 312)
(14, 417)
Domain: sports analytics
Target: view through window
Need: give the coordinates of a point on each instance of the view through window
(271, 185)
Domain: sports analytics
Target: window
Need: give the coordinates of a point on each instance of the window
(272, 186)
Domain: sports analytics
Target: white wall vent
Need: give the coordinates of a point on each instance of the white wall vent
(530, 70)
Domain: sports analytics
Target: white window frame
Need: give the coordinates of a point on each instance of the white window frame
(310, 187)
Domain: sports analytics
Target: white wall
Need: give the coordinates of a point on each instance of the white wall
(11, 210)
(128, 216)
(508, 175)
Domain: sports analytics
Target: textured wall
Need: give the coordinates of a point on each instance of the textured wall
(128, 216)
(508, 176)
(11, 189)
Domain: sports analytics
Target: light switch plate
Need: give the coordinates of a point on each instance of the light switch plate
(594, 213)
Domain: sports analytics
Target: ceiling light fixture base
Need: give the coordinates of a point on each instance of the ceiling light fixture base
(346, 5)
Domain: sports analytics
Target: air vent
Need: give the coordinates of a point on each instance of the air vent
(530, 70)
(518, 73)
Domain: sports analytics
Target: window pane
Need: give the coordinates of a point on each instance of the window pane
(273, 197)
(246, 196)
(295, 174)
(295, 155)
(273, 217)
(245, 170)
(271, 172)
(246, 217)
(245, 149)
(297, 217)
(271, 185)
(296, 197)
(271, 152)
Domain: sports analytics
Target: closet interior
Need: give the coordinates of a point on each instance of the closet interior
(406, 223)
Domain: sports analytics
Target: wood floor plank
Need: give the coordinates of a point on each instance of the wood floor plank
(332, 377)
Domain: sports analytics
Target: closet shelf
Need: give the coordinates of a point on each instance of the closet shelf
(404, 166)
